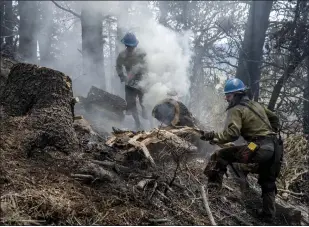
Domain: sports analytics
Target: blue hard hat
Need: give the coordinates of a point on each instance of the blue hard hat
(130, 40)
(233, 85)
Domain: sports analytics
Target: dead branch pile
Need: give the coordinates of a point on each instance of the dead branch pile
(115, 184)
(295, 166)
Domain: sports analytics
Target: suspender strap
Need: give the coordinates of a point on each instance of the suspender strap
(257, 114)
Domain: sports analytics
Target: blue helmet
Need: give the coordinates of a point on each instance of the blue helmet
(130, 40)
(233, 85)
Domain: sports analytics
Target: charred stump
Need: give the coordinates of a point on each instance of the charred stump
(37, 109)
(174, 113)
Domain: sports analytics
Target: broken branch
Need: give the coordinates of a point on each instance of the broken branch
(290, 192)
(206, 205)
(133, 141)
(67, 10)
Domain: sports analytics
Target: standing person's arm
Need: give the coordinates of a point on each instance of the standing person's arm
(119, 70)
(144, 64)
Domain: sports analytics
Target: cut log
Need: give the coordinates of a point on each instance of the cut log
(38, 109)
(102, 97)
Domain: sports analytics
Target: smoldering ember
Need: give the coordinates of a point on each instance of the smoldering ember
(154, 112)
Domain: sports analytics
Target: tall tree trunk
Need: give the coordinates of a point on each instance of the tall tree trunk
(185, 14)
(45, 33)
(1, 23)
(163, 12)
(111, 55)
(252, 48)
(117, 87)
(27, 30)
(306, 102)
(197, 72)
(8, 23)
(92, 45)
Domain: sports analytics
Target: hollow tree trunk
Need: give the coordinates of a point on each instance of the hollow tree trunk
(37, 110)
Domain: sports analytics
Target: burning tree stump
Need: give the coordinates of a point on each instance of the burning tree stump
(37, 109)
(174, 113)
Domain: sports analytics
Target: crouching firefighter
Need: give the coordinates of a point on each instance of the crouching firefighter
(259, 127)
(134, 61)
(172, 112)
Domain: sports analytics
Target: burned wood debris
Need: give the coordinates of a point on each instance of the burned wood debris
(59, 169)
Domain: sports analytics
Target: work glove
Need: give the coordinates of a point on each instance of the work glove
(208, 136)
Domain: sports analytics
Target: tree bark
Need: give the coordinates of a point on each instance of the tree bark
(306, 102)
(92, 45)
(45, 33)
(163, 5)
(8, 23)
(252, 48)
(277, 88)
(27, 31)
(111, 56)
(1, 23)
(37, 109)
(117, 87)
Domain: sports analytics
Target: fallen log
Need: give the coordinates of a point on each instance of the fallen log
(110, 101)
(100, 102)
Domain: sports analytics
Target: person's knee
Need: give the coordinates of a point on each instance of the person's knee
(131, 102)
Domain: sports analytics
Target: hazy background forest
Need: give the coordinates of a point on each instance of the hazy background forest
(193, 46)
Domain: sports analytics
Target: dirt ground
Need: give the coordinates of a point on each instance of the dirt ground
(39, 190)
(50, 187)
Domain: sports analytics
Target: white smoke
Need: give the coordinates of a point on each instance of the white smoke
(168, 52)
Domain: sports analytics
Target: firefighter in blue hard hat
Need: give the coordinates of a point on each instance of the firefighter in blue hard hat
(259, 127)
(134, 61)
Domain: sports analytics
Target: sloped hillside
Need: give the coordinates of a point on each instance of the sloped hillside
(57, 170)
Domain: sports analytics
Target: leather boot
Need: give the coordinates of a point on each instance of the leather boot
(268, 212)
(215, 179)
